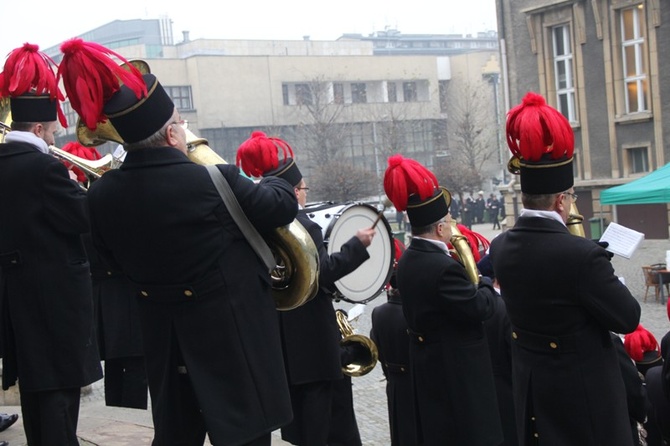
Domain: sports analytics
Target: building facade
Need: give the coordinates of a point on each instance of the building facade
(330, 99)
(599, 63)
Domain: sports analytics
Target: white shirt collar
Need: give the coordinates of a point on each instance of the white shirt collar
(29, 137)
(552, 215)
(440, 244)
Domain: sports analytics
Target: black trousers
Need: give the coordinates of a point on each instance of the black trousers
(126, 382)
(50, 417)
(312, 406)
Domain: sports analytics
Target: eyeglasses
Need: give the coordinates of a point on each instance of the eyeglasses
(302, 188)
(574, 196)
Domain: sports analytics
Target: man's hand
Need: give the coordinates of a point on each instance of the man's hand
(604, 245)
(366, 236)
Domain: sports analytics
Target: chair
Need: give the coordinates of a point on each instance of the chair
(651, 279)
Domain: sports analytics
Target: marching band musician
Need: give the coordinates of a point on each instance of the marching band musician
(309, 334)
(561, 295)
(452, 377)
(209, 324)
(389, 333)
(47, 309)
(116, 316)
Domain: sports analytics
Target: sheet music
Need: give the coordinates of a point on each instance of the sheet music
(622, 241)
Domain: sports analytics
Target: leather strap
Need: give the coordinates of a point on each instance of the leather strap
(253, 237)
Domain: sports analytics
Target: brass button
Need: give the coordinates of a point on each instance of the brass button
(109, 273)
(553, 345)
(402, 369)
(514, 335)
(536, 435)
(144, 293)
(420, 338)
(188, 293)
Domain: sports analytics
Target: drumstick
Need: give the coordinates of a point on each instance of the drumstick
(379, 217)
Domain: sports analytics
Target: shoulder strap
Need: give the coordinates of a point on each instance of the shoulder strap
(253, 237)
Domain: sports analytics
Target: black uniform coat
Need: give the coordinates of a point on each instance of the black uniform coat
(389, 333)
(160, 218)
(49, 340)
(449, 355)
(499, 335)
(563, 298)
(310, 335)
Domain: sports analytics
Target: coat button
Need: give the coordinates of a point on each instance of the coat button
(536, 435)
(514, 335)
(144, 293)
(109, 273)
(420, 338)
(553, 345)
(188, 293)
(402, 369)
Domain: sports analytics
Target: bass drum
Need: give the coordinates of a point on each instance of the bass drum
(340, 222)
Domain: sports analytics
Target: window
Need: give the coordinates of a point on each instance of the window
(633, 59)
(563, 71)
(181, 96)
(442, 85)
(392, 91)
(409, 91)
(284, 93)
(338, 93)
(358, 93)
(303, 94)
(638, 160)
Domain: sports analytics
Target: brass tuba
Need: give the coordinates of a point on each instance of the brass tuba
(462, 247)
(295, 279)
(348, 337)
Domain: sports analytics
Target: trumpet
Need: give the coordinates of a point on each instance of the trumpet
(92, 168)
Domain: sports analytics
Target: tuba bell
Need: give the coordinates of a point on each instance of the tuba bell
(364, 365)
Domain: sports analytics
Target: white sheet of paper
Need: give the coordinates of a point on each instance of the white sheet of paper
(622, 241)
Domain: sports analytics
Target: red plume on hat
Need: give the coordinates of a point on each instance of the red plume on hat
(87, 153)
(534, 129)
(260, 154)
(91, 76)
(404, 177)
(639, 342)
(478, 243)
(29, 71)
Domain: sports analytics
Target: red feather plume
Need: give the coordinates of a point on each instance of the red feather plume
(28, 70)
(260, 154)
(638, 342)
(91, 76)
(535, 129)
(404, 177)
(87, 153)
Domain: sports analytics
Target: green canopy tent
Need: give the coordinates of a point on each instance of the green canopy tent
(650, 189)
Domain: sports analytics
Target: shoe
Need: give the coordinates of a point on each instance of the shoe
(7, 420)
(4, 443)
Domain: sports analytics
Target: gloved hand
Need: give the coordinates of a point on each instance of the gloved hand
(604, 245)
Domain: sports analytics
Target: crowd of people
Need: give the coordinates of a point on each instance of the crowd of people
(149, 271)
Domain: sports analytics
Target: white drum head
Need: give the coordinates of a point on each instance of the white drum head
(370, 278)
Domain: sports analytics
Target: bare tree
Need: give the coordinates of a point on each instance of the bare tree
(340, 181)
(472, 139)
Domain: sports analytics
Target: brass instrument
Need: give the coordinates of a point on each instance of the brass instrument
(575, 220)
(92, 168)
(462, 247)
(295, 279)
(348, 337)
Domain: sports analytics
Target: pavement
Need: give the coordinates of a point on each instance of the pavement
(111, 426)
